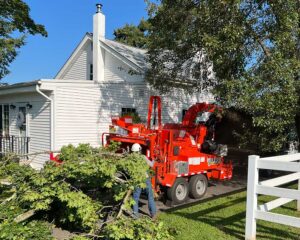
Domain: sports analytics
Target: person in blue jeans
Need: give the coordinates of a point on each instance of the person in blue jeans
(138, 190)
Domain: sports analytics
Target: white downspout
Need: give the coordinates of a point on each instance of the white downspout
(51, 117)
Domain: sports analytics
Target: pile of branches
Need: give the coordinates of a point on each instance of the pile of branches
(88, 194)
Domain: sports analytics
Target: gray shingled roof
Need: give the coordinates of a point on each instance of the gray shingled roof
(139, 57)
(135, 55)
(21, 84)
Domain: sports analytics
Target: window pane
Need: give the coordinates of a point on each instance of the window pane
(6, 120)
(128, 110)
(91, 71)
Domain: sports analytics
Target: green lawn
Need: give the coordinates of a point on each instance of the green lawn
(224, 218)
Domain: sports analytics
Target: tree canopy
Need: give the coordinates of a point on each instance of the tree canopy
(132, 35)
(15, 25)
(254, 48)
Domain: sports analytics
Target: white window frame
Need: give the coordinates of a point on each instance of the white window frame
(26, 120)
(3, 119)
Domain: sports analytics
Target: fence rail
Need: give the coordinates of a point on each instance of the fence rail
(288, 163)
(13, 144)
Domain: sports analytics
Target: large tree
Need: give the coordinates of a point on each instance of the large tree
(15, 25)
(132, 35)
(253, 46)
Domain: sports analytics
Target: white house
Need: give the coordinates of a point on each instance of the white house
(76, 106)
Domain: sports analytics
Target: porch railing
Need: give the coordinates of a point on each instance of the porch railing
(13, 144)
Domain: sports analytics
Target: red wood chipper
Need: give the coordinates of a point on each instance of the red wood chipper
(185, 155)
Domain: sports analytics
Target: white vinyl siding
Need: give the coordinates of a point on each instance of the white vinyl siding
(82, 114)
(38, 123)
(116, 96)
(79, 69)
(76, 115)
(176, 100)
(116, 71)
(39, 129)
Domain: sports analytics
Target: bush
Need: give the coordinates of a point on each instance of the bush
(84, 193)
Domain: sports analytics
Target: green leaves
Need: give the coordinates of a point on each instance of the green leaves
(82, 193)
(135, 230)
(132, 35)
(253, 47)
(15, 25)
(36, 230)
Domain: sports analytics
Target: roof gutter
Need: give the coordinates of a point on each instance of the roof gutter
(51, 116)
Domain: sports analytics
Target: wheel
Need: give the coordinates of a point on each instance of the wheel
(179, 191)
(198, 186)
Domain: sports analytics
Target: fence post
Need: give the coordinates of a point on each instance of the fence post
(251, 207)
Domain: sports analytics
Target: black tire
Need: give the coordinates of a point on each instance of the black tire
(198, 186)
(179, 192)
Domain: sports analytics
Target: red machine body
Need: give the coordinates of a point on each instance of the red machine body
(178, 150)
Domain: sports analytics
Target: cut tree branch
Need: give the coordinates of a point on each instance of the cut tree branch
(9, 199)
(5, 182)
(125, 200)
(24, 216)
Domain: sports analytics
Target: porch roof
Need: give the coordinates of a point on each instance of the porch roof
(22, 87)
(44, 85)
(18, 85)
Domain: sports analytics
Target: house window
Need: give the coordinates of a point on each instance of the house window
(128, 111)
(183, 113)
(91, 71)
(22, 121)
(4, 120)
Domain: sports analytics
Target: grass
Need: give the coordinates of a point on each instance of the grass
(224, 218)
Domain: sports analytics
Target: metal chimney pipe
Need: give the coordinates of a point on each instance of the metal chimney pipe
(99, 7)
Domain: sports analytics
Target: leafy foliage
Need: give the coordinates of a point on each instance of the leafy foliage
(33, 230)
(135, 117)
(132, 35)
(135, 230)
(85, 193)
(253, 47)
(15, 25)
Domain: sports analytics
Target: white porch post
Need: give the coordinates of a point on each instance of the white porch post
(251, 197)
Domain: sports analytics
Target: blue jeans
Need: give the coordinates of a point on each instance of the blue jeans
(151, 203)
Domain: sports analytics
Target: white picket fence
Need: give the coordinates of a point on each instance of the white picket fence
(288, 163)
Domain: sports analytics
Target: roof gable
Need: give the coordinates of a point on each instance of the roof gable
(133, 57)
(87, 37)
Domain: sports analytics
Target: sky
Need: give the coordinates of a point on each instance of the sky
(66, 22)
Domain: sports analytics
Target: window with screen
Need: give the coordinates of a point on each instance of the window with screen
(6, 120)
(128, 111)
